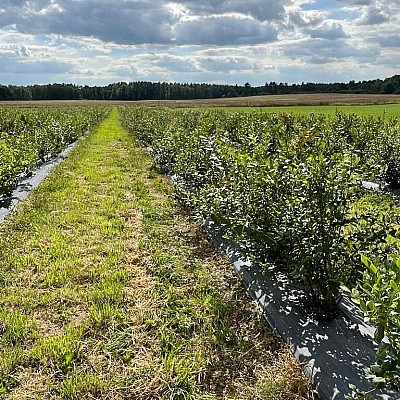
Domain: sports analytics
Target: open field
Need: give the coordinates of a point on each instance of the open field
(380, 110)
(254, 101)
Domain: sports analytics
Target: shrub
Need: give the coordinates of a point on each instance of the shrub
(379, 298)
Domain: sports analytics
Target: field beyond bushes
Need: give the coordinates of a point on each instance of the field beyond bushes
(281, 101)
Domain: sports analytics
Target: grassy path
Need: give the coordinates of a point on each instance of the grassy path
(108, 291)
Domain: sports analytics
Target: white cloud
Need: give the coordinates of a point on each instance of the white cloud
(142, 22)
(227, 64)
(357, 2)
(22, 50)
(326, 51)
(101, 41)
(389, 41)
(327, 30)
(224, 30)
(261, 10)
(305, 18)
(130, 23)
(11, 64)
(373, 15)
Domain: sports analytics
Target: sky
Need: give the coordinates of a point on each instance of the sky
(97, 42)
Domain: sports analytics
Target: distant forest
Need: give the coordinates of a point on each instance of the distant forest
(184, 91)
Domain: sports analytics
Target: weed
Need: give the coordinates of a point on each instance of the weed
(59, 353)
(9, 359)
(78, 387)
(105, 316)
(14, 326)
(7, 383)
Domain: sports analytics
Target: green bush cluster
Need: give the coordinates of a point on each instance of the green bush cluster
(27, 136)
(285, 185)
(377, 141)
(289, 188)
(379, 298)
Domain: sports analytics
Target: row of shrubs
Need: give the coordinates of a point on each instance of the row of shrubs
(31, 135)
(289, 189)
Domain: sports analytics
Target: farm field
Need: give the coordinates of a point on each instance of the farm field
(379, 110)
(279, 101)
(109, 290)
(245, 170)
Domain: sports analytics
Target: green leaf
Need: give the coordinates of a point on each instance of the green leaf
(371, 305)
(379, 379)
(345, 289)
(394, 286)
(363, 306)
(379, 333)
(373, 268)
(365, 260)
(383, 351)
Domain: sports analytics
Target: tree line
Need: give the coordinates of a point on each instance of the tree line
(185, 91)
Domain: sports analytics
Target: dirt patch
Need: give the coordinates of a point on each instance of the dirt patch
(30, 380)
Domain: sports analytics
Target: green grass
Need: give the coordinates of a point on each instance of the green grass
(110, 291)
(385, 110)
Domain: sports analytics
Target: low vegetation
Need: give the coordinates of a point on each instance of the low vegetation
(379, 298)
(383, 111)
(111, 291)
(29, 136)
(286, 186)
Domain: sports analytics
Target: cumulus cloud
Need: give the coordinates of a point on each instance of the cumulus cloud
(22, 50)
(326, 51)
(261, 10)
(305, 18)
(328, 30)
(227, 64)
(35, 5)
(128, 22)
(100, 41)
(389, 41)
(357, 2)
(224, 30)
(142, 21)
(374, 15)
(174, 63)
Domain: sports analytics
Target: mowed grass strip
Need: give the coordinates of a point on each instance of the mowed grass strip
(109, 291)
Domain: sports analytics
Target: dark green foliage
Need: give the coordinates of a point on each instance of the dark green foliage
(379, 298)
(285, 185)
(27, 136)
(175, 91)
